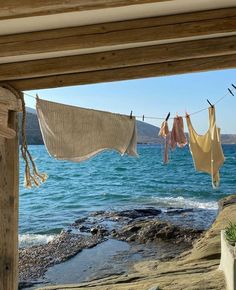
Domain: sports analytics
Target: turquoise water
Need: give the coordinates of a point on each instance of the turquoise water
(110, 181)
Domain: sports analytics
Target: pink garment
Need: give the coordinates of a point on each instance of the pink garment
(165, 133)
(178, 136)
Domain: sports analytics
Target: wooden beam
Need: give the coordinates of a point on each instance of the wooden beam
(24, 8)
(132, 33)
(9, 190)
(128, 73)
(118, 59)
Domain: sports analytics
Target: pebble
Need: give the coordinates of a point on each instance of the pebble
(94, 231)
(154, 288)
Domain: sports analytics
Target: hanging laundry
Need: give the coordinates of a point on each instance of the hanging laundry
(72, 133)
(165, 133)
(178, 136)
(206, 149)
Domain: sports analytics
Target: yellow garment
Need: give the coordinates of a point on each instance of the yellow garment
(206, 149)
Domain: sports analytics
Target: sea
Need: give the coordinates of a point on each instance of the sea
(111, 182)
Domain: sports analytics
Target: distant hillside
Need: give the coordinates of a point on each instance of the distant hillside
(228, 138)
(33, 132)
(146, 133)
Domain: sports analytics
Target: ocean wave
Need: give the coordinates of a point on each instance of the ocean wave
(28, 240)
(184, 203)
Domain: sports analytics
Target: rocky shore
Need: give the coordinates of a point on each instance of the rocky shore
(194, 269)
(144, 234)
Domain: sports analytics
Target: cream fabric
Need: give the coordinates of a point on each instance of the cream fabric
(206, 149)
(165, 133)
(72, 133)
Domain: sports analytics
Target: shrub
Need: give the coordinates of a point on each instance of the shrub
(230, 232)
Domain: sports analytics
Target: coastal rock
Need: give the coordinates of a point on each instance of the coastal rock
(137, 213)
(174, 211)
(99, 230)
(79, 221)
(196, 269)
(143, 228)
(149, 231)
(227, 201)
(34, 261)
(128, 214)
(94, 231)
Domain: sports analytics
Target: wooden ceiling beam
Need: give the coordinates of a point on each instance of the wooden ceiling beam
(132, 33)
(25, 8)
(120, 58)
(128, 73)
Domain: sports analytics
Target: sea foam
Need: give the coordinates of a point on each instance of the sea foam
(28, 240)
(182, 202)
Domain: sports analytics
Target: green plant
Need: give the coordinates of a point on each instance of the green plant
(230, 232)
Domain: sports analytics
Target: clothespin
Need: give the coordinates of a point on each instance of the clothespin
(233, 86)
(210, 103)
(131, 113)
(143, 118)
(230, 92)
(5, 131)
(167, 117)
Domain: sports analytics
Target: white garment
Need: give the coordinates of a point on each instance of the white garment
(72, 133)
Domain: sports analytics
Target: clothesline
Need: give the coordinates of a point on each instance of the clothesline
(163, 118)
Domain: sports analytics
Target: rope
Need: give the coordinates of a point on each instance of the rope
(32, 176)
(171, 118)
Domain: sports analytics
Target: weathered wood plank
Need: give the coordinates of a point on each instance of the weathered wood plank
(123, 25)
(9, 168)
(119, 59)
(129, 73)
(160, 29)
(7, 98)
(25, 8)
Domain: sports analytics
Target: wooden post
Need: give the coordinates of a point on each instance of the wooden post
(9, 190)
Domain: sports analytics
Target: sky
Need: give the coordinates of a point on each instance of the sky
(156, 97)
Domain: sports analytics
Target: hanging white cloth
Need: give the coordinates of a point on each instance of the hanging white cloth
(76, 134)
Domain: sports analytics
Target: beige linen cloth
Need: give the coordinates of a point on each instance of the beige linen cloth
(76, 134)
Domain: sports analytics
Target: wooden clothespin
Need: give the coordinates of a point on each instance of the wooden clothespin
(231, 92)
(131, 113)
(167, 117)
(8, 103)
(210, 103)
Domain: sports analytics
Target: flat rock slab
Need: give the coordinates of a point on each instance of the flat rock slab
(34, 261)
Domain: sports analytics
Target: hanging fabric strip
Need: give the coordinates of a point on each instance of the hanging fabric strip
(165, 133)
(206, 149)
(178, 136)
(76, 134)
